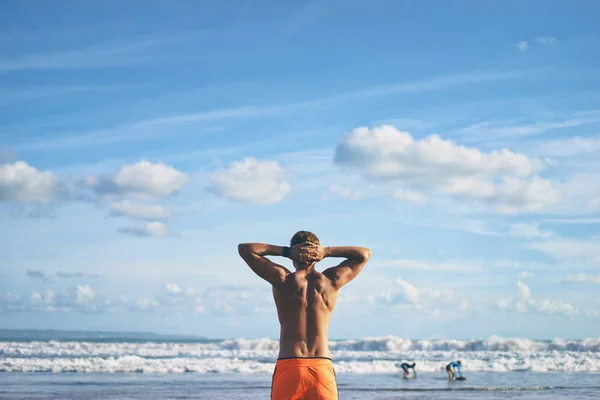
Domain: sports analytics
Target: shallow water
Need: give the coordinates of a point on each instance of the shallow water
(480, 385)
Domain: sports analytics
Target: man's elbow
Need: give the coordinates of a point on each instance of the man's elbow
(366, 254)
(243, 249)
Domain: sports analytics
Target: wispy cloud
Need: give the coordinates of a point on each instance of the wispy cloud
(431, 265)
(574, 221)
(48, 277)
(571, 249)
(141, 130)
(37, 274)
(545, 39)
(581, 279)
(149, 229)
(487, 131)
(117, 53)
(570, 147)
(525, 275)
(529, 230)
(98, 56)
(342, 192)
(12, 96)
(522, 45)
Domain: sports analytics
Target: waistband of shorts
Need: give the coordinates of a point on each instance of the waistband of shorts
(304, 361)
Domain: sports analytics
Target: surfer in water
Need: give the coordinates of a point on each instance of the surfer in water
(405, 367)
(451, 368)
(305, 299)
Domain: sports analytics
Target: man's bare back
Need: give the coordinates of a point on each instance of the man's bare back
(305, 298)
(304, 305)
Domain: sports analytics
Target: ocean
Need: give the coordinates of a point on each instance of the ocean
(367, 368)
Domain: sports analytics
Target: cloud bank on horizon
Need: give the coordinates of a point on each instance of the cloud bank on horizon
(133, 161)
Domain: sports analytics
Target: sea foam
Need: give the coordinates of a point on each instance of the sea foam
(362, 356)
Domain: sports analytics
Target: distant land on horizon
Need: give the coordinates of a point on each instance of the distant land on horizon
(58, 334)
(7, 334)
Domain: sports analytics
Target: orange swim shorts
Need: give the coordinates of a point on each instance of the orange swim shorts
(304, 379)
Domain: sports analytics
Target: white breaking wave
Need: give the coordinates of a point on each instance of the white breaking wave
(368, 355)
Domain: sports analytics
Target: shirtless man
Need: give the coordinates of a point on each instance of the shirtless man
(305, 300)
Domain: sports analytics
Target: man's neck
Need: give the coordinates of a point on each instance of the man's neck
(306, 270)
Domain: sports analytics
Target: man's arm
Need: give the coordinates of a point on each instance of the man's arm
(356, 258)
(254, 255)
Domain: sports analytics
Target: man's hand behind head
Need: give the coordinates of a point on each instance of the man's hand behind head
(314, 252)
(307, 252)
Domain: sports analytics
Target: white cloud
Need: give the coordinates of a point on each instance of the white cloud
(523, 303)
(84, 294)
(251, 181)
(527, 230)
(149, 229)
(503, 303)
(406, 295)
(139, 210)
(145, 304)
(387, 153)
(410, 195)
(79, 299)
(545, 39)
(143, 179)
(579, 189)
(522, 45)
(551, 307)
(408, 291)
(172, 288)
(525, 275)
(523, 295)
(516, 195)
(502, 179)
(582, 278)
(49, 296)
(19, 182)
(216, 300)
(570, 147)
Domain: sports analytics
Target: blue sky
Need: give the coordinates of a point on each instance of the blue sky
(141, 142)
